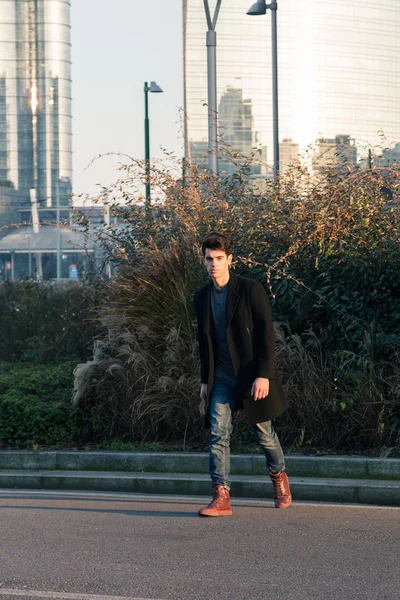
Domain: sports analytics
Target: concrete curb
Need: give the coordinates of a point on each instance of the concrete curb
(184, 462)
(383, 493)
(313, 478)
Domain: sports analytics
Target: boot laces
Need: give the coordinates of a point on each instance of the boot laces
(218, 497)
(279, 486)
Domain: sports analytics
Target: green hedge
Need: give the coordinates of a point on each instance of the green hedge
(35, 407)
(46, 323)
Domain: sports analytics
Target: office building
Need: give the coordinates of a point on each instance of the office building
(338, 151)
(288, 154)
(35, 101)
(338, 70)
(390, 156)
(238, 137)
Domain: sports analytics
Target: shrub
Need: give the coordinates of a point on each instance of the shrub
(327, 247)
(35, 407)
(327, 250)
(146, 382)
(44, 323)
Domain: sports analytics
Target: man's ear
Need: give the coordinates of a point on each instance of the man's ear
(229, 260)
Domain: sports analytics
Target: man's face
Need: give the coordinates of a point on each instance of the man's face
(217, 264)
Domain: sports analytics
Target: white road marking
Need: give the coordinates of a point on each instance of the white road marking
(63, 595)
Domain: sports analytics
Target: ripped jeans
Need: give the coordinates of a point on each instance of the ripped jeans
(222, 401)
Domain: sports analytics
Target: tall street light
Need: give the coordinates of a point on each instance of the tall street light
(211, 42)
(260, 8)
(154, 88)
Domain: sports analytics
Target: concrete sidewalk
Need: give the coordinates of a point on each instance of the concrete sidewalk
(317, 478)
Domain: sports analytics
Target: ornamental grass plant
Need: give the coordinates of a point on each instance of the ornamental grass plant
(144, 376)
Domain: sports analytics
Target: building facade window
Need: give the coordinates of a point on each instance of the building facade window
(338, 67)
(35, 97)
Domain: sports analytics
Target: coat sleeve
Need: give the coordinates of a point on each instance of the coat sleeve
(263, 332)
(202, 343)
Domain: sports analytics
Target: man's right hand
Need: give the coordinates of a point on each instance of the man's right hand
(203, 398)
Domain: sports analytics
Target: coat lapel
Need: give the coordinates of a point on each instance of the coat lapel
(207, 308)
(233, 298)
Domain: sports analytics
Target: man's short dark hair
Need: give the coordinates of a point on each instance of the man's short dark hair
(217, 241)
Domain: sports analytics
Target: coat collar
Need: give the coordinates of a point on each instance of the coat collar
(233, 297)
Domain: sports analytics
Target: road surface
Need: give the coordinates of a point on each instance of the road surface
(76, 546)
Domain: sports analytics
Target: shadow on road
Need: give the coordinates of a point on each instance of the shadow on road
(148, 500)
(131, 513)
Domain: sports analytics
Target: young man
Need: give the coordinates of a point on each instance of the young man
(237, 353)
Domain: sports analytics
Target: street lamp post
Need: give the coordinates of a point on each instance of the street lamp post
(211, 42)
(29, 255)
(155, 89)
(260, 8)
(58, 252)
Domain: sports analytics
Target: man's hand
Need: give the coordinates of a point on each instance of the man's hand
(203, 398)
(260, 388)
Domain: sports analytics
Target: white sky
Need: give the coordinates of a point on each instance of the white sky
(116, 46)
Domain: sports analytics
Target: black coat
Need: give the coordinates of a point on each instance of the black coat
(251, 343)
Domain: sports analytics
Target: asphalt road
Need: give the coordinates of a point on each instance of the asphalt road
(101, 547)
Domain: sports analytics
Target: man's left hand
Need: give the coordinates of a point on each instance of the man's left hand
(260, 388)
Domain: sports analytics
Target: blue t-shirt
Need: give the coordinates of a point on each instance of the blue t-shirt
(224, 371)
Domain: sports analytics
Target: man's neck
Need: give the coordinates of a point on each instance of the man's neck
(220, 283)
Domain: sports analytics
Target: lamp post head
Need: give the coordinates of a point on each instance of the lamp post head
(259, 8)
(154, 88)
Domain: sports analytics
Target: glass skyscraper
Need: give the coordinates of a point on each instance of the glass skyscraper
(338, 70)
(35, 99)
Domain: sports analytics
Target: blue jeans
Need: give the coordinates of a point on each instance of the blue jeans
(222, 401)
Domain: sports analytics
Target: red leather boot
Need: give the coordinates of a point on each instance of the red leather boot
(283, 497)
(220, 505)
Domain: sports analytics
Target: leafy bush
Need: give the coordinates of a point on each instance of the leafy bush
(327, 250)
(326, 247)
(43, 323)
(35, 407)
(337, 401)
(52, 383)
